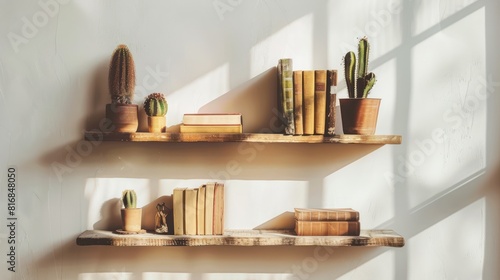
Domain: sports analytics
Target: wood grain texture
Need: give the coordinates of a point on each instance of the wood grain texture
(242, 238)
(241, 137)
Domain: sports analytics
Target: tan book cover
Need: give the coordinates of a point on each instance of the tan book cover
(308, 102)
(326, 214)
(209, 207)
(327, 228)
(212, 119)
(211, 128)
(320, 84)
(200, 210)
(178, 210)
(190, 212)
(297, 102)
(218, 228)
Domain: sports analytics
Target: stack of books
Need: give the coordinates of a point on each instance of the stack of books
(199, 211)
(212, 123)
(307, 99)
(327, 222)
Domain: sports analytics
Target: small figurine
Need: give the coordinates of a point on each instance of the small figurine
(161, 218)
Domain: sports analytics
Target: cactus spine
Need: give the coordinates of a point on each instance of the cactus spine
(121, 78)
(129, 199)
(155, 105)
(359, 87)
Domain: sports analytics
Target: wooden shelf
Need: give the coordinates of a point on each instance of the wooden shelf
(241, 137)
(242, 238)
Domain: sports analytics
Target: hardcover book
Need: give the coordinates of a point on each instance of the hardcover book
(178, 211)
(212, 119)
(320, 84)
(238, 128)
(331, 101)
(308, 102)
(200, 210)
(327, 228)
(209, 207)
(218, 221)
(285, 93)
(297, 102)
(326, 214)
(190, 211)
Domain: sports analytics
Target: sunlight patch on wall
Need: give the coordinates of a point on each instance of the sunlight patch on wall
(448, 138)
(295, 40)
(459, 238)
(190, 98)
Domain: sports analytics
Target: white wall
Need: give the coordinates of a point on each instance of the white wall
(437, 68)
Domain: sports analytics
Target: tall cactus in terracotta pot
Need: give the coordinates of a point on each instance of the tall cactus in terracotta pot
(359, 113)
(121, 82)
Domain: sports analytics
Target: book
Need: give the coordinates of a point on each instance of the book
(200, 211)
(297, 102)
(190, 211)
(326, 214)
(212, 119)
(285, 91)
(331, 101)
(327, 228)
(218, 223)
(320, 83)
(308, 101)
(178, 210)
(209, 207)
(238, 128)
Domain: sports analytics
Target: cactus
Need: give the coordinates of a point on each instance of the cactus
(155, 105)
(121, 78)
(361, 86)
(129, 199)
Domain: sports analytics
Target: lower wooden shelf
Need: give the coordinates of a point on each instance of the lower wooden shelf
(377, 237)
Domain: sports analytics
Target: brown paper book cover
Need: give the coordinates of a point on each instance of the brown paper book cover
(218, 223)
(308, 102)
(320, 84)
(212, 119)
(190, 211)
(297, 102)
(331, 101)
(327, 228)
(178, 210)
(200, 211)
(211, 128)
(326, 214)
(209, 207)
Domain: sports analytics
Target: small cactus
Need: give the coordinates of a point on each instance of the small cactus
(155, 105)
(359, 87)
(129, 199)
(121, 78)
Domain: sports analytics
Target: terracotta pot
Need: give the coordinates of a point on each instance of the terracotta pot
(157, 124)
(359, 115)
(123, 116)
(131, 219)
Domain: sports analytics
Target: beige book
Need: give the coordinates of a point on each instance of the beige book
(178, 210)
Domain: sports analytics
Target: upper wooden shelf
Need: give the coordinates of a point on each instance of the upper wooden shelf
(242, 238)
(241, 137)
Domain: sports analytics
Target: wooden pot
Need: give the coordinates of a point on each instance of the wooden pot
(123, 117)
(157, 124)
(131, 219)
(359, 115)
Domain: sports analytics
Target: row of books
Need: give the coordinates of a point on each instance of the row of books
(327, 222)
(199, 211)
(212, 123)
(306, 99)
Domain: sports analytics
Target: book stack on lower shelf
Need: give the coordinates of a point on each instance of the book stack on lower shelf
(212, 123)
(327, 222)
(199, 211)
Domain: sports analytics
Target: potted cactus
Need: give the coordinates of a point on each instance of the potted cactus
(359, 113)
(121, 81)
(156, 107)
(131, 215)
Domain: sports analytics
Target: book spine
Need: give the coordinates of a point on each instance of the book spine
(297, 102)
(212, 119)
(336, 228)
(308, 102)
(211, 128)
(190, 211)
(287, 95)
(200, 210)
(331, 101)
(218, 221)
(209, 208)
(178, 211)
(327, 216)
(319, 101)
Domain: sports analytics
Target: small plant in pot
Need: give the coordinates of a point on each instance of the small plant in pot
(156, 107)
(359, 113)
(131, 215)
(121, 81)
